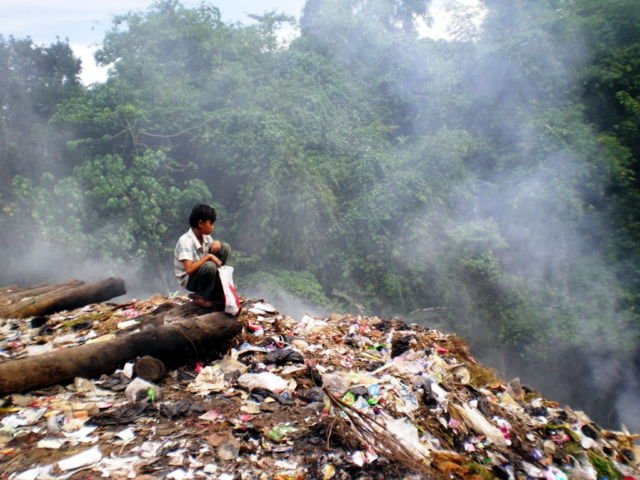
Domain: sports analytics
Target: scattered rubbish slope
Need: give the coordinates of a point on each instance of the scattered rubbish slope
(312, 398)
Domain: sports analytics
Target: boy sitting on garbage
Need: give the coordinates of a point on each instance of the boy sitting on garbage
(197, 257)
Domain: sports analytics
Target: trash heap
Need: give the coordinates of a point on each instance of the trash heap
(313, 398)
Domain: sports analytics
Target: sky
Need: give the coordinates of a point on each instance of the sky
(84, 22)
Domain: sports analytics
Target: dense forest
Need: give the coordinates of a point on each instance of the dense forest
(487, 184)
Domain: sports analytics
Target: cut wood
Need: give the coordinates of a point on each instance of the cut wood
(23, 293)
(149, 368)
(175, 344)
(8, 288)
(65, 298)
(7, 294)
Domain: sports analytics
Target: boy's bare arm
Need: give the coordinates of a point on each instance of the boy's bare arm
(215, 247)
(190, 266)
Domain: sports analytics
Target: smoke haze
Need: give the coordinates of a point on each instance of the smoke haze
(469, 198)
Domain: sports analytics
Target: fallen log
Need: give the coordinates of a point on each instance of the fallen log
(65, 299)
(149, 368)
(7, 294)
(174, 344)
(19, 294)
(8, 288)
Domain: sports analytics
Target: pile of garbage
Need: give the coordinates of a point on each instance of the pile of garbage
(312, 398)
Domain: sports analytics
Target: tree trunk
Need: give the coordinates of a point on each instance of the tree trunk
(65, 299)
(175, 344)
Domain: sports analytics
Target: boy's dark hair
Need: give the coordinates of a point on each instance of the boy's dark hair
(202, 212)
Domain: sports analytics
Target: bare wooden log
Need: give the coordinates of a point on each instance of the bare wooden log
(167, 312)
(190, 309)
(174, 344)
(18, 295)
(6, 295)
(65, 299)
(149, 368)
(8, 288)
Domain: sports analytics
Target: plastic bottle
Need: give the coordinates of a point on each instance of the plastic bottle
(140, 389)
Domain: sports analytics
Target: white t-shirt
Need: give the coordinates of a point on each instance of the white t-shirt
(189, 248)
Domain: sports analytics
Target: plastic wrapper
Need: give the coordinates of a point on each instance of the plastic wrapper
(477, 422)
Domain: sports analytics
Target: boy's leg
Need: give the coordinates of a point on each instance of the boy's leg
(218, 293)
(203, 282)
(224, 253)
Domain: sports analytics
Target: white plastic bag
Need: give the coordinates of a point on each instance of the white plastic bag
(267, 380)
(231, 300)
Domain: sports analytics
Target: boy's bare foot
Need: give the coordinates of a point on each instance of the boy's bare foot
(202, 302)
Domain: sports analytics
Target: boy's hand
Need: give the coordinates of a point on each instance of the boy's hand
(216, 260)
(215, 247)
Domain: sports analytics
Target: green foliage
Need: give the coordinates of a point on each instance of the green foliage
(604, 467)
(132, 213)
(34, 80)
(140, 204)
(52, 210)
(610, 95)
(301, 285)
